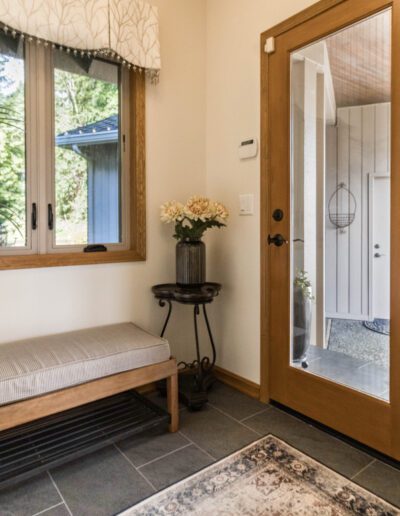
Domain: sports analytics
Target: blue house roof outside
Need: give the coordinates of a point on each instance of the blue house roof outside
(97, 133)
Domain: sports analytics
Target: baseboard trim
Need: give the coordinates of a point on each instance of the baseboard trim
(233, 380)
(238, 382)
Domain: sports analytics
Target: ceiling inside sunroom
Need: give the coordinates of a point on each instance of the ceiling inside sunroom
(360, 61)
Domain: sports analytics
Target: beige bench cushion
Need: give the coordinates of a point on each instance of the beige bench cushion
(36, 366)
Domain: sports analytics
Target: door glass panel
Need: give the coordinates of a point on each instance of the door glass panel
(340, 195)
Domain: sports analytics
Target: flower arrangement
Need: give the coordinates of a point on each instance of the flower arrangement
(195, 217)
(302, 282)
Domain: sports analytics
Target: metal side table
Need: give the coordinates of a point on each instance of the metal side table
(197, 377)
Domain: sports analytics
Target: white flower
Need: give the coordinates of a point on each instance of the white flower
(198, 208)
(219, 211)
(195, 217)
(172, 211)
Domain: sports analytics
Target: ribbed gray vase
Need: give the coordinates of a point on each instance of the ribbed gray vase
(190, 263)
(302, 314)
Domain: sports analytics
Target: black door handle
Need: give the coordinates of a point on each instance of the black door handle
(277, 240)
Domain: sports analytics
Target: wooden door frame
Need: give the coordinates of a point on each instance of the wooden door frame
(267, 225)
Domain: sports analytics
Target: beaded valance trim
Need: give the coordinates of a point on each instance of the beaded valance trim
(125, 31)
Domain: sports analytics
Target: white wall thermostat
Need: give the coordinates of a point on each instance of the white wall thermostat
(248, 148)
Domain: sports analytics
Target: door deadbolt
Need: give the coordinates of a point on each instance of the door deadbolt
(277, 215)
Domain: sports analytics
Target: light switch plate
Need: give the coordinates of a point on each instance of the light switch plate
(246, 203)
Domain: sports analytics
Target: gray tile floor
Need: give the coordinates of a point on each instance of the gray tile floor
(119, 476)
(362, 375)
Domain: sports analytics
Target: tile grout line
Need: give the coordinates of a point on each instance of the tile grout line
(135, 468)
(197, 446)
(59, 493)
(236, 420)
(364, 365)
(148, 481)
(363, 469)
(373, 460)
(48, 509)
(388, 465)
(290, 415)
(324, 432)
(163, 456)
(254, 415)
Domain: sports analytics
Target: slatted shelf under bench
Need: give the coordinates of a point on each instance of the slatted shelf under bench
(54, 440)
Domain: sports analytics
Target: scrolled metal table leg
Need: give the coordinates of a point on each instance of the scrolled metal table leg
(199, 376)
(214, 353)
(162, 303)
(161, 384)
(206, 365)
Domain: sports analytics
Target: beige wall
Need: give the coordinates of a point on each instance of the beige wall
(233, 112)
(35, 302)
(226, 33)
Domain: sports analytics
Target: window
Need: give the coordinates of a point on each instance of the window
(71, 158)
(88, 136)
(13, 174)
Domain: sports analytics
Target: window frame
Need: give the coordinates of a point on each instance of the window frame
(42, 252)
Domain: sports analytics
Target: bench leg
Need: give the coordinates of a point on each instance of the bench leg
(173, 403)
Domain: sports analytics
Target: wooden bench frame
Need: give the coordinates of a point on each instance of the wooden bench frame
(28, 410)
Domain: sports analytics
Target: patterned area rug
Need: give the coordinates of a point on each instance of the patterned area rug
(269, 477)
(354, 339)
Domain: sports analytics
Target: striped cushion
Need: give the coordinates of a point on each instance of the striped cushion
(36, 366)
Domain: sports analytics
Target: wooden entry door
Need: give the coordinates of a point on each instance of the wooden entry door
(317, 99)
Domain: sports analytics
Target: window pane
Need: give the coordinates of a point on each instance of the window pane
(87, 154)
(12, 144)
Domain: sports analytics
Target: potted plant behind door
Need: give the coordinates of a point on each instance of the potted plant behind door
(191, 221)
(302, 316)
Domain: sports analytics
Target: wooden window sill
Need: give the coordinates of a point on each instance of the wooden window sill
(32, 261)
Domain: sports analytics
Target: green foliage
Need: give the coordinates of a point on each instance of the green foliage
(12, 161)
(302, 282)
(194, 229)
(79, 100)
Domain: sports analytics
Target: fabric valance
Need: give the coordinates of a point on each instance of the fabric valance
(126, 30)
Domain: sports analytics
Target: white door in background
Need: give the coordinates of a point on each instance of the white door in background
(381, 247)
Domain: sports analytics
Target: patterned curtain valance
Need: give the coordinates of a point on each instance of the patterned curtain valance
(126, 30)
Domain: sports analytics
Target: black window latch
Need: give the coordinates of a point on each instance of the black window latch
(34, 216)
(95, 248)
(50, 217)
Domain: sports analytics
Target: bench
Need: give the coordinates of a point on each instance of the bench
(43, 376)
